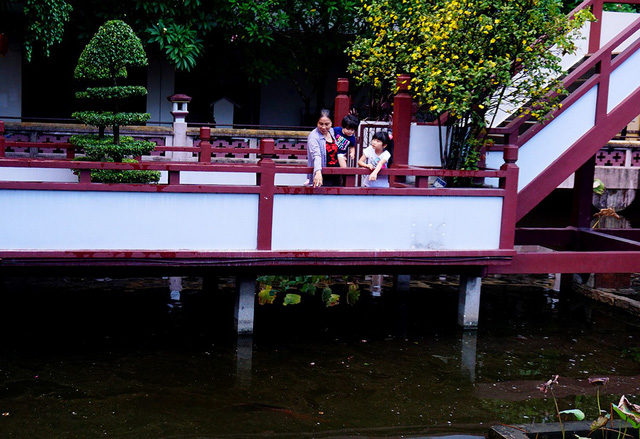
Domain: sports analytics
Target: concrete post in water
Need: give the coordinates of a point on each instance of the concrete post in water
(469, 301)
(245, 304)
(179, 112)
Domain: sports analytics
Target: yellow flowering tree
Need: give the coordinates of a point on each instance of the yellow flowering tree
(466, 58)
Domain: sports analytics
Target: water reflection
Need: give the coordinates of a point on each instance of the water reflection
(112, 361)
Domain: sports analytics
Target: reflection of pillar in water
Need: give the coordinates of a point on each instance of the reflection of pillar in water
(244, 357)
(175, 286)
(468, 354)
(402, 282)
(376, 285)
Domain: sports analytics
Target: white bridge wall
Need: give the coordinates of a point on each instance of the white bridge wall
(69, 220)
(386, 222)
(83, 220)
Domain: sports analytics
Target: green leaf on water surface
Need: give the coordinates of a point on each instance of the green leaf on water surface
(309, 288)
(291, 299)
(334, 299)
(266, 295)
(353, 295)
(579, 414)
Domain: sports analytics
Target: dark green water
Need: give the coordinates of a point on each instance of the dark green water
(87, 359)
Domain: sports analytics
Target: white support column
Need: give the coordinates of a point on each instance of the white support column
(469, 301)
(245, 304)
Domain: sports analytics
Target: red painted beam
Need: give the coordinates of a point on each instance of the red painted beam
(571, 262)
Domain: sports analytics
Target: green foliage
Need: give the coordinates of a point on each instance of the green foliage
(286, 38)
(309, 285)
(103, 149)
(178, 30)
(598, 187)
(180, 43)
(467, 58)
(577, 413)
(116, 176)
(619, 7)
(107, 56)
(112, 49)
(106, 118)
(45, 24)
(107, 93)
(291, 299)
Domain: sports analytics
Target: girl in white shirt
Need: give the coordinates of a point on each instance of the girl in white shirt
(376, 157)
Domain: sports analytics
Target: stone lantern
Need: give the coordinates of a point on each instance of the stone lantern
(179, 112)
(179, 107)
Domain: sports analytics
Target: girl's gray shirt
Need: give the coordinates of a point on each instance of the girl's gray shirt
(317, 150)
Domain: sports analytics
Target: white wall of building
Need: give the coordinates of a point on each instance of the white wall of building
(160, 85)
(11, 84)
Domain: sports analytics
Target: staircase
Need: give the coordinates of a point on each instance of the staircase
(604, 96)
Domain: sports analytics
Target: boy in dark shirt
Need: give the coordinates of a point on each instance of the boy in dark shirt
(346, 139)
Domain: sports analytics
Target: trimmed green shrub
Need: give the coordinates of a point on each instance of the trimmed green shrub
(105, 60)
(115, 176)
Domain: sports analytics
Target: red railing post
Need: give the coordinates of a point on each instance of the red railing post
(85, 176)
(2, 141)
(402, 111)
(510, 201)
(595, 27)
(602, 98)
(342, 101)
(266, 181)
(205, 145)
(174, 177)
(71, 152)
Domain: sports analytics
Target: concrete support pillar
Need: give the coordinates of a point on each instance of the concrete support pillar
(468, 354)
(245, 304)
(469, 301)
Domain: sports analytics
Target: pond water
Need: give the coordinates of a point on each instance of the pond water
(85, 358)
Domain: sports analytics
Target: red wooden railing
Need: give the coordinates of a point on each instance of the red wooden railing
(266, 169)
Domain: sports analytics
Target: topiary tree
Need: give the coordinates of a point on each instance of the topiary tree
(104, 61)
